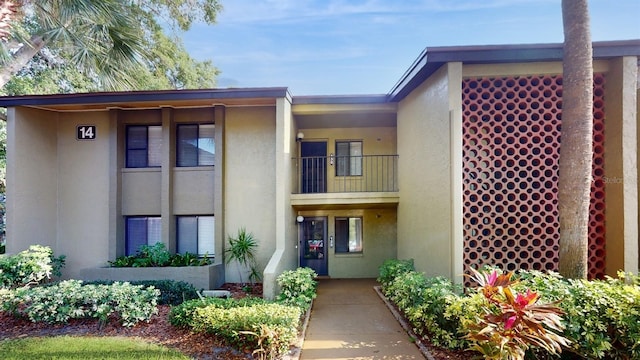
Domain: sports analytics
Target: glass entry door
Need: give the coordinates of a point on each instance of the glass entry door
(313, 244)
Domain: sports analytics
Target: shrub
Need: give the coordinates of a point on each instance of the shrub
(157, 255)
(182, 315)
(72, 300)
(265, 327)
(29, 267)
(242, 250)
(172, 292)
(392, 268)
(511, 323)
(297, 287)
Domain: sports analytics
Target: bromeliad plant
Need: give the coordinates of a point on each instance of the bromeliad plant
(512, 323)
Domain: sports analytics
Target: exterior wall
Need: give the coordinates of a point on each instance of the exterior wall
(379, 243)
(250, 179)
(32, 179)
(427, 217)
(621, 166)
(61, 198)
(284, 256)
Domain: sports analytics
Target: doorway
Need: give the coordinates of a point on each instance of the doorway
(314, 166)
(313, 241)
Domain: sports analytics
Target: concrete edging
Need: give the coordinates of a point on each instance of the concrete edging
(425, 351)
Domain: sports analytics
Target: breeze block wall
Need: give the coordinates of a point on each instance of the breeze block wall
(511, 146)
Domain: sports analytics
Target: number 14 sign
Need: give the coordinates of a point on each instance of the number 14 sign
(86, 132)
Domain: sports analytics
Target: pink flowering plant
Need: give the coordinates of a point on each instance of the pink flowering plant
(511, 323)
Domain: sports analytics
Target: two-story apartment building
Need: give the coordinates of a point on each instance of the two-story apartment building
(455, 167)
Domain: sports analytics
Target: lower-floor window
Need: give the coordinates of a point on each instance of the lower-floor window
(349, 235)
(195, 235)
(142, 230)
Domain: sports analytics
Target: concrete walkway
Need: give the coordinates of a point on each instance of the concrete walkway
(350, 321)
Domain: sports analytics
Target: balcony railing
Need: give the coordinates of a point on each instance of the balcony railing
(341, 174)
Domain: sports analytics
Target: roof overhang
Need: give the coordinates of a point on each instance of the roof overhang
(150, 99)
(432, 58)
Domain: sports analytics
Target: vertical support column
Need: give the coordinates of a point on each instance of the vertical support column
(621, 166)
(218, 183)
(168, 162)
(455, 143)
(116, 162)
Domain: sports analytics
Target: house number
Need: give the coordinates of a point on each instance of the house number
(86, 132)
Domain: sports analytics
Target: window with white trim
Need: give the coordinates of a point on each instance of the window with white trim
(144, 146)
(141, 230)
(195, 145)
(348, 235)
(196, 235)
(348, 158)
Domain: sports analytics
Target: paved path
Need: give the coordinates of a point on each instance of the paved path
(350, 321)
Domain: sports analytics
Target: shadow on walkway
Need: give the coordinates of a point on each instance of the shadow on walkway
(350, 321)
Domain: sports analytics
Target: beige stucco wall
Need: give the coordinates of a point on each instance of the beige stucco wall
(378, 241)
(426, 216)
(250, 179)
(32, 179)
(193, 191)
(61, 198)
(621, 168)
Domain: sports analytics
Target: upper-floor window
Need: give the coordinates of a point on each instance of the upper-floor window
(195, 145)
(196, 235)
(348, 158)
(141, 230)
(144, 146)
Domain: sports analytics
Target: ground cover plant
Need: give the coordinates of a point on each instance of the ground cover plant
(526, 315)
(81, 348)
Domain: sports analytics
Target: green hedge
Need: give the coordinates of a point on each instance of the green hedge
(602, 317)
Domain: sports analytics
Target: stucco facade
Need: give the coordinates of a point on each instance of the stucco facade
(339, 183)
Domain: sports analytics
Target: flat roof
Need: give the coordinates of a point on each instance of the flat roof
(432, 58)
(429, 60)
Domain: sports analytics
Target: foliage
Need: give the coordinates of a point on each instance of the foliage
(242, 250)
(121, 40)
(391, 268)
(237, 324)
(158, 255)
(426, 303)
(71, 299)
(511, 323)
(85, 347)
(182, 315)
(297, 287)
(29, 267)
(602, 317)
(172, 292)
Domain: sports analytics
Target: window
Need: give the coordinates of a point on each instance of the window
(144, 146)
(349, 158)
(141, 230)
(349, 235)
(196, 146)
(196, 235)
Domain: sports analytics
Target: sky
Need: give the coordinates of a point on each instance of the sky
(343, 47)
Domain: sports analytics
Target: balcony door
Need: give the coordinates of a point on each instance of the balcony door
(313, 244)
(314, 166)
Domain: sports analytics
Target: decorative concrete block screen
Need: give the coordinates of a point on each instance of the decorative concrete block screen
(511, 147)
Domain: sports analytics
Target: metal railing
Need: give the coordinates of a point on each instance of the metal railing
(340, 174)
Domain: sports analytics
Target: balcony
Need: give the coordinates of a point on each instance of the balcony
(345, 180)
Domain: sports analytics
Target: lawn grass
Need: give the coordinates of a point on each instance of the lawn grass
(70, 347)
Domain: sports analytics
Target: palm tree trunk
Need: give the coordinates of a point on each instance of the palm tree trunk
(576, 150)
(21, 58)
